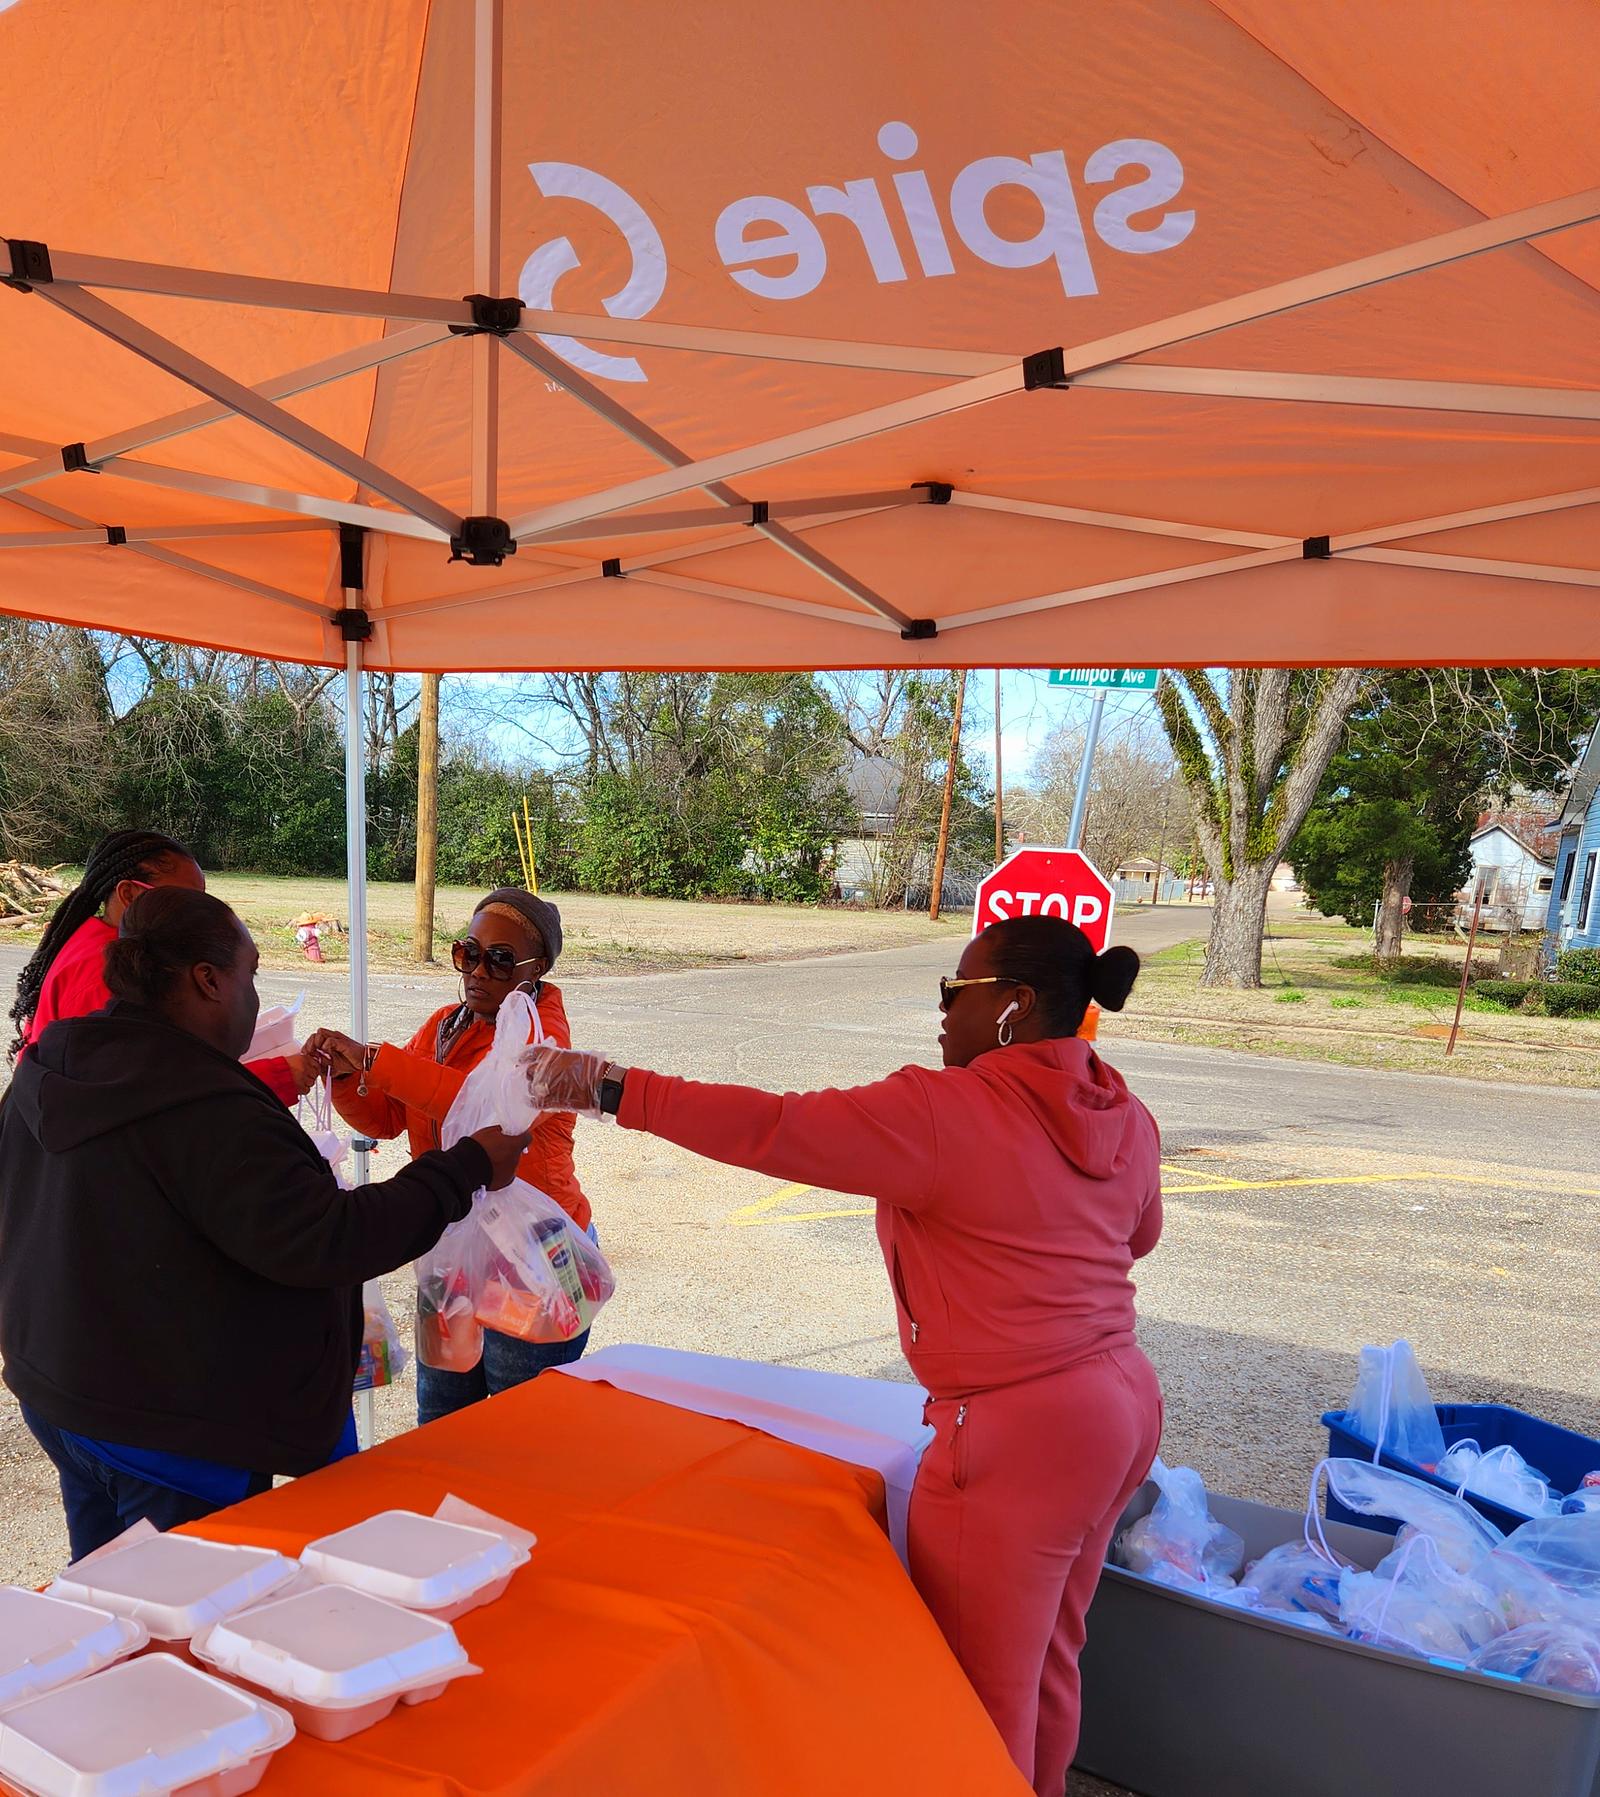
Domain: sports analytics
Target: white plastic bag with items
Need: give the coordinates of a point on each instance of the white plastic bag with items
(518, 1264)
(1558, 1656)
(1391, 1407)
(1415, 1602)
(1502, 1476)
(383, 1358)
(1294, 1581)
(1180, 1542)
(1565, 1550)
(1461, 1536)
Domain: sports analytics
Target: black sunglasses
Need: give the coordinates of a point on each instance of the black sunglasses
(499, 962)
(948, 986)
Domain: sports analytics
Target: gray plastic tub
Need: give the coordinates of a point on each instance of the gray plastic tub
(1185, 1698)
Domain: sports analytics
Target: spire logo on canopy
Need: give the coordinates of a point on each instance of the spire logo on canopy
(772, 247)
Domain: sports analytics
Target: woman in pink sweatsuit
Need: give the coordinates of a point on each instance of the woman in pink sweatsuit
(1015, 1188)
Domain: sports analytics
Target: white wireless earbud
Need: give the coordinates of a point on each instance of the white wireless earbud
(1002, 1029)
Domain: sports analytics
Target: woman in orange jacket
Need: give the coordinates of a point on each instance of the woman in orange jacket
(382, 1090)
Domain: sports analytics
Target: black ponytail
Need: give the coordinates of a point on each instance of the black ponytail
(164, 933)
(123, 855)
(1055, 958)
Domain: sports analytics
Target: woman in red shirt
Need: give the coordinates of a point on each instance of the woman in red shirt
(386, 1091)
(65, 976)
(1015, 1188)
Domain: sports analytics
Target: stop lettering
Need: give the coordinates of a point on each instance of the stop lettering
(1047, 883)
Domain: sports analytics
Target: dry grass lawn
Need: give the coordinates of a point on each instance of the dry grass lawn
(603, 934)
(1310, 1009)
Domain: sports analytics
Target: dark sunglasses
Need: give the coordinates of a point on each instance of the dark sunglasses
(499, 962)
(948, 987)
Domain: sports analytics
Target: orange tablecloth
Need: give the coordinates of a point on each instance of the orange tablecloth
(708, 1612)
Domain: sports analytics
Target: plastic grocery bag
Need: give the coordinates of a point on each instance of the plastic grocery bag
(1180, 1542)
(1294, 1579)
(1559, 1656)
(1391, 1407)
(517, 1264)
(1460, 1534)
(1415, 1602)
(1502, 1476)
(1566, 1550)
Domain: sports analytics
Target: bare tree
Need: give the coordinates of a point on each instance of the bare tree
(1130, 792)
(1252, 751)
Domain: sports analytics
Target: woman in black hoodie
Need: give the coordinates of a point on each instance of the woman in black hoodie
(180, 1273)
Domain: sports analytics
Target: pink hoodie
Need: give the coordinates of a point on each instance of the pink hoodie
(1014, 1195)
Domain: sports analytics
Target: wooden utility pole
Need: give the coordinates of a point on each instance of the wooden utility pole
(427, 816)
(949, 796)
(999, 782)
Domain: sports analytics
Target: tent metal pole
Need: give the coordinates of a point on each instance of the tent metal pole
(355, 830)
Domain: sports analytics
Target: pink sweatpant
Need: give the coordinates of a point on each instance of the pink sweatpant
(1011, 1516)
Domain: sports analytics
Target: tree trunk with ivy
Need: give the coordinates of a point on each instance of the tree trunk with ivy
(1252, 750)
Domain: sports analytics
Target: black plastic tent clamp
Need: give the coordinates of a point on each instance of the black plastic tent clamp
(1316, 549)
(353, 625)
(116, 535)
(939, 491)
(759, 511)
(75, 460)
(30, 266)
(611, 568)
(483, 542)
(491, 317)
(1045, 368)
(920, 630)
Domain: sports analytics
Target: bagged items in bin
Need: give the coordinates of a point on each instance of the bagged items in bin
(1415, 1602)
(383, 1359)
(1180, 1542)
(1294, 1580)
(1502, 1476)
(1460, 1534)
(1391, 1407)
(1558, 1656)
(1565, 1550)
(518, 1264)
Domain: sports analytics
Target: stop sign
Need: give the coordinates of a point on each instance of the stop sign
(1047, 883)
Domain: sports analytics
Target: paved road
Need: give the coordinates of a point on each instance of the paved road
(1309, 1209)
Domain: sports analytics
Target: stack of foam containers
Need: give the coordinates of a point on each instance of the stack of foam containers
(109, 1676)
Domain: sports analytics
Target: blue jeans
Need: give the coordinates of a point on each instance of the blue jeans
(102, 1502)
(506, 1362)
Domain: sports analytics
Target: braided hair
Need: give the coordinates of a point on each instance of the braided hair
(123, 855)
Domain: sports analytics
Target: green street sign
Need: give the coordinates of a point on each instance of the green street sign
(1122, 680)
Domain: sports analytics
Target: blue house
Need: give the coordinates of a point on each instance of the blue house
(1574, 916)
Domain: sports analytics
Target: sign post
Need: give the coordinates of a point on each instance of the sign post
(1100, 681)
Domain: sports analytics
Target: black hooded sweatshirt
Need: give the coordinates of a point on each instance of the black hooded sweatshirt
(179, 1268)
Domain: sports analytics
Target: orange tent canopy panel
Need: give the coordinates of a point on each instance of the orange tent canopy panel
(1188, 331)
(708, 1612)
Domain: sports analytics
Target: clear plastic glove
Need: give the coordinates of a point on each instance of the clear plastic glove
(564, 1079)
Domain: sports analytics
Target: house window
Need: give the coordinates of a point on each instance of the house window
(1566, 874)
(1544, 882)
(1588, 891)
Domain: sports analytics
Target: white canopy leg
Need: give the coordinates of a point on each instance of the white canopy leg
(355, 828)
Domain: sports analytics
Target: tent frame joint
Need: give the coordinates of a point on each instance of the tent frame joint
(116, 535)
(1045, 368)
(611, 568)
(1316, 549)
(920, 630)
(353, 624)
(75, 459)
(760, 512)
(483, 542)
(940, 492)
(30, 265)
(491, 317)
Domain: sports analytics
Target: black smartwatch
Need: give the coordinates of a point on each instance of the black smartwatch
(611, 1088)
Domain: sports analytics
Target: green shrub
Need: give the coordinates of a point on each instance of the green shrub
(1289, 996)
(1579, 966)
(1509, 994)
(1415, 970)
(1571, 998)
(1345, 1004)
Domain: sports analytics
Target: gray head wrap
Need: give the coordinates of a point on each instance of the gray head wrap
(533, 910)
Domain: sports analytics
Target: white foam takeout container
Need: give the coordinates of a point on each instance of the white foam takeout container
(151, 1725)
(175, 1585)
(420, 1562)
(335, 1658)
(46, 1642)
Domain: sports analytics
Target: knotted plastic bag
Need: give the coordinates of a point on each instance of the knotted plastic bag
(383, 1358)
(1559, 1656)
(1391, 1407)
(1502, 1476)
(1180, 1542)
(517, 1264)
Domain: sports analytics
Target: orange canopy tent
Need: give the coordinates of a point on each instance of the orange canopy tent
(1181, 330)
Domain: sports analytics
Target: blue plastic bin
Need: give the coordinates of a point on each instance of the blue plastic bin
(1562, 1455)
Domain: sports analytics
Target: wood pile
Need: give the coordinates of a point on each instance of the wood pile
(27, 894)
